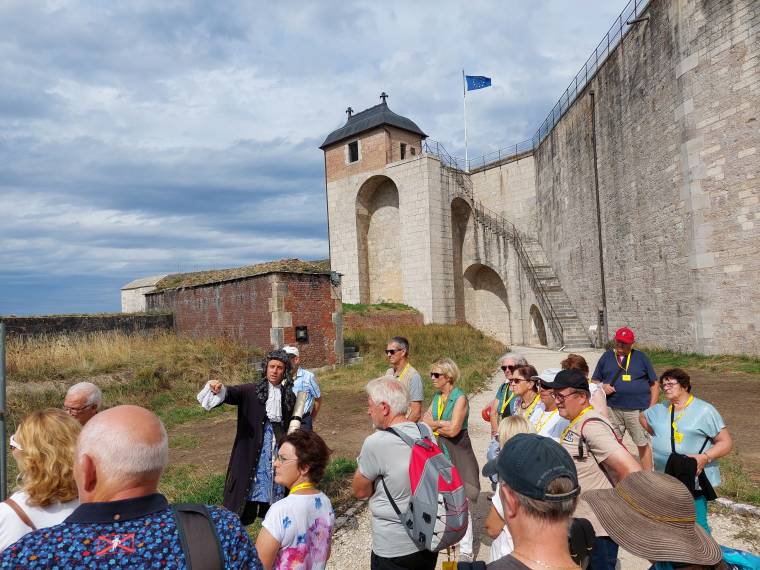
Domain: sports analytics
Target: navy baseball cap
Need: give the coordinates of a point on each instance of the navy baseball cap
(570, 379)
(528, 463)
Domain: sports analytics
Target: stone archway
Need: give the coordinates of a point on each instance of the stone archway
(537, 327)
(486, 303)
(461, 229)
(379, 246)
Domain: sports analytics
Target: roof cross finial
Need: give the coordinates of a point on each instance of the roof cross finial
(349, 112)
(384, 96)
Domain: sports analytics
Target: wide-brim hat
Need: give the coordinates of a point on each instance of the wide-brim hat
(652, 515)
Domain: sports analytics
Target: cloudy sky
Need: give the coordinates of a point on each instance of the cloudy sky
(143, 137)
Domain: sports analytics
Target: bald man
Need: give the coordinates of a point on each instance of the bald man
(122, 520)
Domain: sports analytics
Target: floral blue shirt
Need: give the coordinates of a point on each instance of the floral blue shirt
(264, 489)
(133, 533)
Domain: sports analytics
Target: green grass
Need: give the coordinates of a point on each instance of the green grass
(663, 358)
(366, 309)
(181, 484)
(735, 484)
(182, 441)
(475, 354)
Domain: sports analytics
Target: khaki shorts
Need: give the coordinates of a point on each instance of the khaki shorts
(628, 421)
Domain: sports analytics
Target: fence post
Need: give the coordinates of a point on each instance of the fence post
(3, 418)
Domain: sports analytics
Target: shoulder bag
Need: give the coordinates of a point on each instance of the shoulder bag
(684, 468)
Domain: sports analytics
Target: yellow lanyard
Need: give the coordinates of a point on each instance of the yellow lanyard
(441, 406)
(679, 416)
(575, 421)
(526, 412)
(400, 376)
(542, 422)
(627, 362)
(300, 486)
(504, 401)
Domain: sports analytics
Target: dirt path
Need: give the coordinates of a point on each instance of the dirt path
(352, 544)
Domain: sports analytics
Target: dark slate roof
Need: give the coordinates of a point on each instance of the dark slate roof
(370, 119)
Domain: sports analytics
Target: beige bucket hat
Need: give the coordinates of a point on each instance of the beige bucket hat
(652, 515)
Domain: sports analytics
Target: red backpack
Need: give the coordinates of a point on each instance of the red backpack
(437, 514)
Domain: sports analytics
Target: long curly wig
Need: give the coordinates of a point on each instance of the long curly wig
(288, 396)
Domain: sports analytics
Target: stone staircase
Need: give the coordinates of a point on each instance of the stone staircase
(351, 354)
(573, 332)
(556, 308)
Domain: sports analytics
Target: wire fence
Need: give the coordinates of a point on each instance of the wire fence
(627, 18)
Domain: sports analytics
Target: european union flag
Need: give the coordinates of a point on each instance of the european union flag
(477, 82)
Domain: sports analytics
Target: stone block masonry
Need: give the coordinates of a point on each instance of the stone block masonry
(677, 109)
(85, 324)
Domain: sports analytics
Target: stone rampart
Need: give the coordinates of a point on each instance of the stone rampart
(84, 324)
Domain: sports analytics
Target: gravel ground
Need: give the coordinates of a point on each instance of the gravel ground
(352, 543)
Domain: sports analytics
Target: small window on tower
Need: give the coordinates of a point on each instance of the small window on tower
(353, 151)
(403, 151)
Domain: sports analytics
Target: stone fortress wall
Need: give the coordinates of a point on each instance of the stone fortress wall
(673, 116)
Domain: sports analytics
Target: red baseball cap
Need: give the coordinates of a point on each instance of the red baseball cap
(625, 335)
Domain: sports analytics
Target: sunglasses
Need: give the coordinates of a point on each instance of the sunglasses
(669, 382)
(560, 398)
(436, 375)
(14, 444)
(518, 380)
(510, 368)
(390, 351)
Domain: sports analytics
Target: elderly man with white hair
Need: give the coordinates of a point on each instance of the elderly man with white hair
(385, 455)
(83, 401)
(122, 521)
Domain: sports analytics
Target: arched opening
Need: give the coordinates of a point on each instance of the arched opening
(461, 220)
(537, 328)
(485, 300)
(379, 248)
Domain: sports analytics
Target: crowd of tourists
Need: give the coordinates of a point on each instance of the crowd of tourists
(567, 492)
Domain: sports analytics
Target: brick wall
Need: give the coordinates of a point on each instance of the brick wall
(75, 324)
(381, 320)
(261, 311)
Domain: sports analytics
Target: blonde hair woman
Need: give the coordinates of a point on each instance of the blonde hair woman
(501, 540)
(447, 416)
(43, 447)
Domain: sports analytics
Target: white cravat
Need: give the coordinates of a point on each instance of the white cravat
(274, 403)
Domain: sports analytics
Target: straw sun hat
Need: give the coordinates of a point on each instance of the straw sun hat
(652, 516)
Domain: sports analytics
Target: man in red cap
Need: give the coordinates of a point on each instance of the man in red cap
(631, 387)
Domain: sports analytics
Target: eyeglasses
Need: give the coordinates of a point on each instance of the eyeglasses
(436, 375)
(390, 351)
(517, 380)
(14, 444)
(282, 459)
(510, 368)
(78, 410)
(669, 382)
(562, 397)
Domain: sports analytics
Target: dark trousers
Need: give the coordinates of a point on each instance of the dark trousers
(307, 423)
(422, 560)
(604, 555)
(252, 511)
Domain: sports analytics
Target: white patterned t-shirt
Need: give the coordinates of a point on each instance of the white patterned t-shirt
(303, 525)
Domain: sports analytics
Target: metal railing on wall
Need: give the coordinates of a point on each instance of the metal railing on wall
(632, 10)
(499, 225)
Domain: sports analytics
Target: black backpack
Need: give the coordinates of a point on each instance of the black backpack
(198, 537)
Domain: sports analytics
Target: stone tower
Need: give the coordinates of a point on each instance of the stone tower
(407, 225)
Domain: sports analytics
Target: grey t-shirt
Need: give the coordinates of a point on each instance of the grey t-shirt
(386, 455)
(411, 380)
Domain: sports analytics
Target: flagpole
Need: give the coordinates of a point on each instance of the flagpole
(464, 103)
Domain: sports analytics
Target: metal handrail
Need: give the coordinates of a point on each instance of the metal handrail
(609, 42)
(499, 225)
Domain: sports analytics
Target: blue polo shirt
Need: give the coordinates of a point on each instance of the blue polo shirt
(133, 533)
(305, 381)
(501, 393)
(630, 394)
